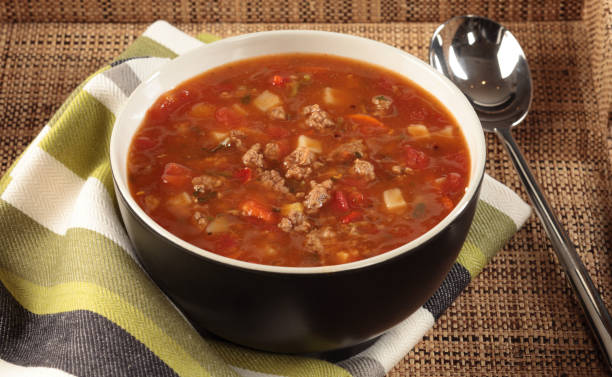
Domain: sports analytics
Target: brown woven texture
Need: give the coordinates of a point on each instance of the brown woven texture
(283, 11)
(519, 316)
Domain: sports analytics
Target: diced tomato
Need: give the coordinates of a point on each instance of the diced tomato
(244, 175)
(340, 202)
(257, 210)
(278, 80)
(176, 174)
(168, 103)
(352, 216)
(356, 199)
(228, 117)
(452, 183)
(143, 143)
(415, 159)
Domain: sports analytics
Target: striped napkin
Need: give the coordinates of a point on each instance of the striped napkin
(75, 301)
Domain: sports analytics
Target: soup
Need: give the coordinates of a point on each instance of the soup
(298, 160)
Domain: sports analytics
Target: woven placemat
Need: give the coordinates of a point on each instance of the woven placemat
(283, 11)
(519, 316)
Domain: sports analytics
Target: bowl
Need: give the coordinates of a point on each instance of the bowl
(296, 309)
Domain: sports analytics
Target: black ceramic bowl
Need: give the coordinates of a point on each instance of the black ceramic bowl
(291, 309)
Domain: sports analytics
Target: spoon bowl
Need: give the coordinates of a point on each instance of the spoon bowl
(488, 65)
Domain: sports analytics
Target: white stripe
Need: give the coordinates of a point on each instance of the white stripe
(143, 68)
(94, 210)
(11, 370)
(105, 91)
(250, 373)
(56, 198)
(171, 37)
(504, 199)
(44, 189)
(391, 348)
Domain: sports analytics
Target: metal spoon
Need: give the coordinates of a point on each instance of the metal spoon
(487, 63)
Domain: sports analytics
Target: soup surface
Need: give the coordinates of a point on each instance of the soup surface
(298, 160)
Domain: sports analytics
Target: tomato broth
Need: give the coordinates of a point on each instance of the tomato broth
(298, 160)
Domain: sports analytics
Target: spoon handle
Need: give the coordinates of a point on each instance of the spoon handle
(598, 316)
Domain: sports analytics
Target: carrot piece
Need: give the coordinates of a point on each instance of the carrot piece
(252, 208)
(365, 119)
(368, 125)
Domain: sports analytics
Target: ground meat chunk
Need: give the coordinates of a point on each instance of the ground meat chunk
(382, 105)
(298, 163)
(349, 151)
(318, 195)
(272, 179)
(295, 220)
(272, 151)
(317, 118)
(277, 112)
(253, 158)
(316, 239)
(285, 225)
(200, 220)
(364, 169)
(206, 183)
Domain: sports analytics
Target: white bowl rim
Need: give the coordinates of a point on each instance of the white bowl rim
(477, 154)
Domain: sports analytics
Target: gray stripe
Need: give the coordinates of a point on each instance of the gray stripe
(124, 77)
(363, 366)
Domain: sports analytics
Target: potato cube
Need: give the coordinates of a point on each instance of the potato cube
(393, 199)
(417, 130)
(312, 144)
(266, 100)
(219, 225)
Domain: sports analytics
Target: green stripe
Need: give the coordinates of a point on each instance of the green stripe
(472, 258)
(86, 296)
(80, 138)
(145, 46)
(86, 257)
(208, 37)
(6, 178)
(490, 230)
(283, 365)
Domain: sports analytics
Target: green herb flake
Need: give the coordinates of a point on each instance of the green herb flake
(358, 155)
(246, 99)
(207, 197)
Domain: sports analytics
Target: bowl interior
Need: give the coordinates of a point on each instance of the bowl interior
(265, 43)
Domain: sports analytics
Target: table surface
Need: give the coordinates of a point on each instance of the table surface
(519, 315)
